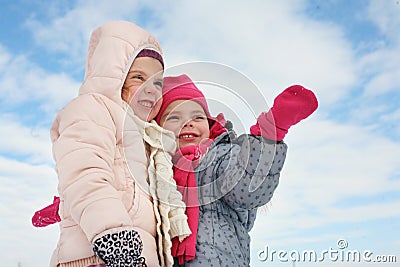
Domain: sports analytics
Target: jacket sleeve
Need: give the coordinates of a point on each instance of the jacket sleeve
(249, 173)
(84, 144)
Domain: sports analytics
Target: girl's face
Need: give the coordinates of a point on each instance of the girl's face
(187, 120)
(142, 87)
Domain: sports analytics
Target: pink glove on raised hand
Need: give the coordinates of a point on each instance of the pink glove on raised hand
(294, 104)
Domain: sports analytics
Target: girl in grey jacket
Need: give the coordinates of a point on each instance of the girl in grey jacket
(224, 178)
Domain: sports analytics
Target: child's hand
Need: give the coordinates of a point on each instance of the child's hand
(291, 106)
(47, 215)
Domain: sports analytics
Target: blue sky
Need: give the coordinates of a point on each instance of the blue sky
(341, 179)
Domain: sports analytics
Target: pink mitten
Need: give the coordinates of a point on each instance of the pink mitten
(294, 104)
(47, 215)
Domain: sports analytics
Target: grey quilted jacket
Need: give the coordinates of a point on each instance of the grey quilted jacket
(235, 177)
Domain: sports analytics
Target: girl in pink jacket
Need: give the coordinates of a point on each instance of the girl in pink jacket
(118, 202)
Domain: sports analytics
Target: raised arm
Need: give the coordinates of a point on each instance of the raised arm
(250, 171)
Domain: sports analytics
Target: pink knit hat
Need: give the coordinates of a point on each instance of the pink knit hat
(181, 88)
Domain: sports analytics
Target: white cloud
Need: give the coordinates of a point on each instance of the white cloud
(383, 63)
(383, 69)
(34, 144)
(328, 167)
(25, 188)
(23, 82)
(4, 57)
(277, 47)
(272, 42)
(34, 182)
(393, 118)
(383, 83)
(385, 14)
(29, 185)
(69, 34)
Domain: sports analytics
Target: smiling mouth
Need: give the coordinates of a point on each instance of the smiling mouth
(146, 103)
(187, 136)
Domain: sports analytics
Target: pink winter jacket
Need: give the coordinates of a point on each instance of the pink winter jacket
(98, 192)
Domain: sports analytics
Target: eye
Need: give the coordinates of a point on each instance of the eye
(199, 117)
(158, 84)
(138, 77)
(171, 118)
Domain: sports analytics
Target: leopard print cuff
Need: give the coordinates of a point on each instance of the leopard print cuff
(122, 249)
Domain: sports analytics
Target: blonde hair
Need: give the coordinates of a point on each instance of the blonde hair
(125, 92)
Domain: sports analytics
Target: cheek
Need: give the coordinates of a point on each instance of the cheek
(128, 92)
(135, 92)
(205, 130)
(154, 111)
(157, 107)
(171, 127)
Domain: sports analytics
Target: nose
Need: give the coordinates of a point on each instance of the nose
(150, 89)
(188, 123)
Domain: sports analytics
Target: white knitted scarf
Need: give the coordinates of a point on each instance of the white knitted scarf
(168, 206)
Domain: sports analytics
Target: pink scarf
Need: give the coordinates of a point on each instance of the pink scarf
(185, 161)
